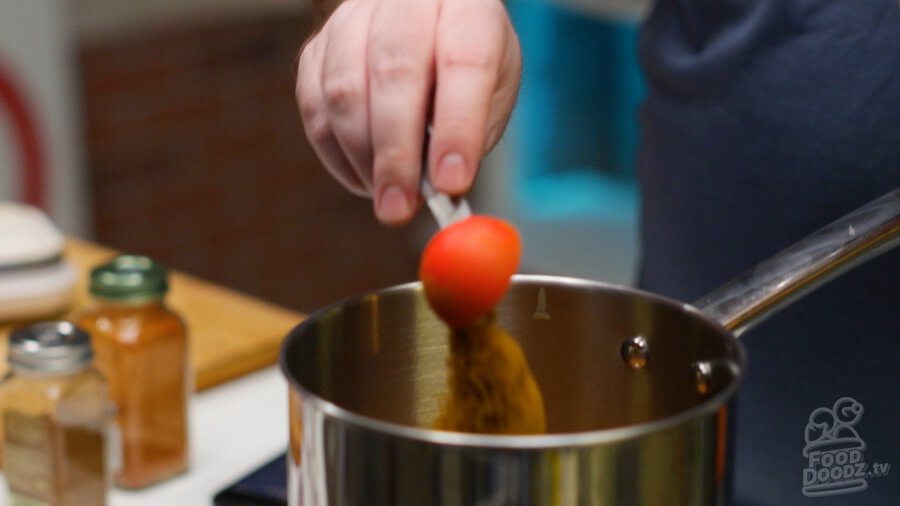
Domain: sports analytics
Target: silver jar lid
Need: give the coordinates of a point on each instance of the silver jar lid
(57, 346)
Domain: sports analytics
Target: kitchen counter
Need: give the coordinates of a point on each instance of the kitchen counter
(235, 428)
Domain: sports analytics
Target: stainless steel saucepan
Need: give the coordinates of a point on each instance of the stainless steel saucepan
(636, 387)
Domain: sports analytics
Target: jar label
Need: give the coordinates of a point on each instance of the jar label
(28, 454)
(20, 500)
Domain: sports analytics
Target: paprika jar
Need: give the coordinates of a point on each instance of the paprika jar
(141, 347)
(56, 412)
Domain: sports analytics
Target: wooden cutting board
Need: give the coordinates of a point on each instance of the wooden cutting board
(230, 333)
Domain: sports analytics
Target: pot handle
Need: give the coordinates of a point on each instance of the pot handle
(757, 294)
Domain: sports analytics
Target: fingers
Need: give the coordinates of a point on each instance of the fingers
(400, 69)
(316, 121)
(345, 85)
(366, 82)
(477, 70)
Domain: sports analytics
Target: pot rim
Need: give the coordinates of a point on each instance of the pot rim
(518, 442)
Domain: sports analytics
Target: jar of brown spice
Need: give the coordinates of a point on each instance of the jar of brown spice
(141, 346)
(55, 415)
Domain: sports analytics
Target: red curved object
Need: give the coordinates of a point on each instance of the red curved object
(27, 139)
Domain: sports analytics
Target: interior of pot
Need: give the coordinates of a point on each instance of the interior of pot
(603, 356)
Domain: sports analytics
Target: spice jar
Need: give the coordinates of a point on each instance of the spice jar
(55, 414)
(141, 346)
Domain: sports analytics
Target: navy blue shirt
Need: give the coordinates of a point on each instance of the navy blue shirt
(764, 121)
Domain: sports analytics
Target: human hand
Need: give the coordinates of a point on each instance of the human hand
(370, 79)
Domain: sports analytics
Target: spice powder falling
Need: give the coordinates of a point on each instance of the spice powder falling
(491, 389)
(465, 270)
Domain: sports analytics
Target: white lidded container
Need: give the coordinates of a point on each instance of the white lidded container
(35, 280)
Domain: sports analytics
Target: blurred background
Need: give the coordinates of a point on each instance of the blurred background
(169, 128)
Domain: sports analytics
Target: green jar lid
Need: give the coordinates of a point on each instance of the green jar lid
(130, 278)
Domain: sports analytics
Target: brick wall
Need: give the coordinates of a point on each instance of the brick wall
(196, 156)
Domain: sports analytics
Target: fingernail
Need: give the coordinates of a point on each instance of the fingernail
(393, 205)
(451, 173)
